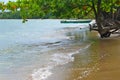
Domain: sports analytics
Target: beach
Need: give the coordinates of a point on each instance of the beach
(108, 63)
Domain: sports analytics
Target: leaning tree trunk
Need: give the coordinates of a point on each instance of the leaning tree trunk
(103, 31)
(107, 25)
(107, 22)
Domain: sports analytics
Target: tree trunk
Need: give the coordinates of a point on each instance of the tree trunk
(107, 22)
(104, 32)
(99, 20)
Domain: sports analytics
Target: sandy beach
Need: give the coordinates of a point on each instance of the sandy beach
(108, 62)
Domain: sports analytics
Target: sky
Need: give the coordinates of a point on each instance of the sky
(6, 0)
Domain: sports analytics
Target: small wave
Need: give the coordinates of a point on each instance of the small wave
(61, 59)
(42, 73)
(55, 60)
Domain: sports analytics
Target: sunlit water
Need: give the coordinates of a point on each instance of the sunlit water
(44, 50)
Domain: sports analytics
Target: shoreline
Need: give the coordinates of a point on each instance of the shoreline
(108, 50)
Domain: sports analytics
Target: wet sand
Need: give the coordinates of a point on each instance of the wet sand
(108, 51)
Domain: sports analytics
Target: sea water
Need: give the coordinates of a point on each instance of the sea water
(38, 49)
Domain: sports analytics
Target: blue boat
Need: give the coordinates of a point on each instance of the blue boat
(75, 21)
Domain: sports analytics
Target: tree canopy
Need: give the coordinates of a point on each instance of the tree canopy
(59, 8)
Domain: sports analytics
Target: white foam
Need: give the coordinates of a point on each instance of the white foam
(42, 73)
(61, 59)
(55, 60)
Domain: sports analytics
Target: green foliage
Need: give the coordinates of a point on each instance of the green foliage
(74, 9)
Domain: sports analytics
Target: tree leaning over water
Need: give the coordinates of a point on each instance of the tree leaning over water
(107, 16)
(105, 12)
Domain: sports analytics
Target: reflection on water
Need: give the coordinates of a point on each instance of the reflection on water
(78, 35)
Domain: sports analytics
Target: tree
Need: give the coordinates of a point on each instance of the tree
(106, 16)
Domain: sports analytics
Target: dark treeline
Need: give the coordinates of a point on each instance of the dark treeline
(10, 15)
(15, 15)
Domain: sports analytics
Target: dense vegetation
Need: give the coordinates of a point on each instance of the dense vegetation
(105, 12)
(60, 8)
(48, 9)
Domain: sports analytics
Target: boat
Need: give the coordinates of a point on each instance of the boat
(75, 21)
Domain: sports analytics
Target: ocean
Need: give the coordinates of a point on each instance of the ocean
(33, 50)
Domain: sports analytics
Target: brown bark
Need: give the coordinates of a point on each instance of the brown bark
(107, 23)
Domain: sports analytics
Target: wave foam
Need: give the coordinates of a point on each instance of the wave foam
(55, 60)
(61, 59)
(42, 73)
